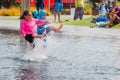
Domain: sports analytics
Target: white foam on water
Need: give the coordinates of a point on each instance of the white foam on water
(36, 54)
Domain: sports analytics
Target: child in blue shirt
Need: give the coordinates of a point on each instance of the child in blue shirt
(46, 27)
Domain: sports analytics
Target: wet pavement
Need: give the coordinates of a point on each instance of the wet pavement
(76, 53)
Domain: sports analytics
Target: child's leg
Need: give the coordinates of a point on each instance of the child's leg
(56, 29)
(55, 17)
(44, 33)
(41, 32)
(59, 28)
(29, 38)
(118, 17)
(37, 36)
(59, 17)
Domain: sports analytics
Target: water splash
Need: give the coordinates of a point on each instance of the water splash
(36, 54)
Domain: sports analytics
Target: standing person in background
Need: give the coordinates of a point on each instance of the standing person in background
(58, 9)
(95, 9)
(79, 9)
(109, 6)
(39, 5)
(102, 8)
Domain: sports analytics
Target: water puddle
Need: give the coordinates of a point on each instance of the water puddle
(79, 54)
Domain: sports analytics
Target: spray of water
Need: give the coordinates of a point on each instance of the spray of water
(36, 54)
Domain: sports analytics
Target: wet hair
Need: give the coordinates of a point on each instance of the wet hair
(24, 14)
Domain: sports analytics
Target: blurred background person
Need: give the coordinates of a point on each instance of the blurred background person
(39, 5)
(58, 9)
(102, 8)
(79, 9)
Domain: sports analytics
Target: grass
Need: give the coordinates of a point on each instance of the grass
(117, 26)
(83, 22)
(78, 22)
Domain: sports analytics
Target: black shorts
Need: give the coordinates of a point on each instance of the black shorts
(29, 38)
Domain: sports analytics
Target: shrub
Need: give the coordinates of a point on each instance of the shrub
(13, 11)
(9, 3)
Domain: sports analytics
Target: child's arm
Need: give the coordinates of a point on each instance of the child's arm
(42, 24)
(22, 29)
(23, 35)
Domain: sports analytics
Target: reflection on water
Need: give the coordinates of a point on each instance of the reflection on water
(64, 56)
(26, 74)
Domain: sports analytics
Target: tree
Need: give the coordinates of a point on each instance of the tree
(8, 3)
(93, 1)
(0, 5)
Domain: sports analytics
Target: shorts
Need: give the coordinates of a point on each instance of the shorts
(40, 5)
(79, 13)
(41, 30)
(58, 7)
(29, 38)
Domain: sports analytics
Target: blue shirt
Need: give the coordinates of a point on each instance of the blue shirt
(102, 9)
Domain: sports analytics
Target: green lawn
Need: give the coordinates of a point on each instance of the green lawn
(83, 22)
(78, 22)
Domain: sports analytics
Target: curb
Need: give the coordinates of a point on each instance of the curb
(9, 31)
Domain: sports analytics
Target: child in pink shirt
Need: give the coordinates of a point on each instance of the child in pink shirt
(28, 26)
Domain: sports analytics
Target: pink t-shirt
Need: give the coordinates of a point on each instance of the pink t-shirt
(28, 26)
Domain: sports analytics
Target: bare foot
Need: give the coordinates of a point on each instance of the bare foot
(60, 21)
(60, 27)
(107, 26)
(55, 21)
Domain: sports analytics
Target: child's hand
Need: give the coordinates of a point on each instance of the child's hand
(23, 35)
(48, 22)
(41, 36)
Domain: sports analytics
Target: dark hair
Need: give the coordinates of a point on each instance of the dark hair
(113, 2)
(24, 14)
